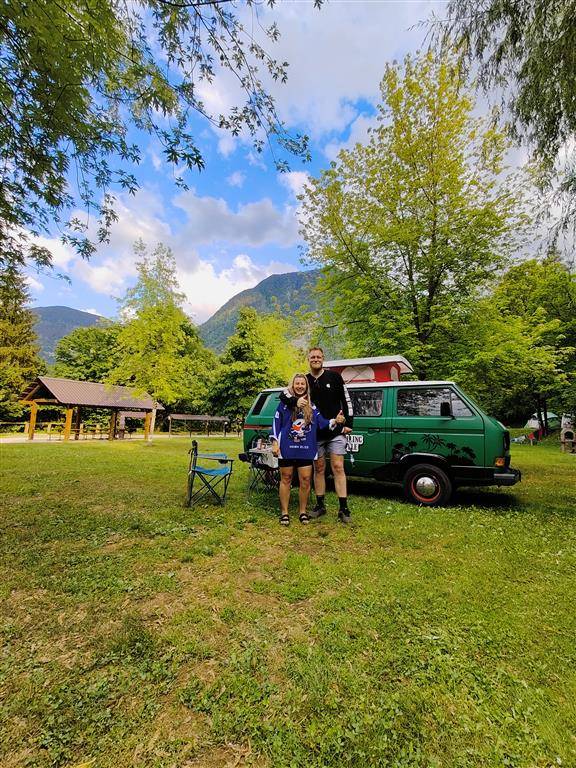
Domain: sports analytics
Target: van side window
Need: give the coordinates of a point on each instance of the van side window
(259, 404)
(366, 402)
(425, 401)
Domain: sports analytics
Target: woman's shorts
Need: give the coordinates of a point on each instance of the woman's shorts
(295, 462)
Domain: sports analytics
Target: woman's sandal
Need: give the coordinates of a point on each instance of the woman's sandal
(284, 520)
(304, 518)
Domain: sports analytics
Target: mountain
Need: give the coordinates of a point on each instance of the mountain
(289, 291)
(52, 323)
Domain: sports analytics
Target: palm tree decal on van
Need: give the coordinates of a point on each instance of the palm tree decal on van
(453, 453)
(433, 441)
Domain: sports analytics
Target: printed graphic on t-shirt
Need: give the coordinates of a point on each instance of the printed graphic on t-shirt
(299, 430)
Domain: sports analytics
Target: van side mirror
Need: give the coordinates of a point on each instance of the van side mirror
(446, 410)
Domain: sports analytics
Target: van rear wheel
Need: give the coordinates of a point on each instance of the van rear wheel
(427, 485)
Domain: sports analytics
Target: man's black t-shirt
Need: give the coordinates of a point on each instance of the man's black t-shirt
(329, 394)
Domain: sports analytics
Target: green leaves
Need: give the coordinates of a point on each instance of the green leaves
(19, 360)
(410, 226)
(76, 76)
(257, 356)
(159, 350)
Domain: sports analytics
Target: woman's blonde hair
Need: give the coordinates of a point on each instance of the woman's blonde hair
(307, 410)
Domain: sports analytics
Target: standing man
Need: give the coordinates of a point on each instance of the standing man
(330, 396)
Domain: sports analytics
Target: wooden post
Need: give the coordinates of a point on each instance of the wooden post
(77, 423)
(32, 425)
(169, 426)
(68, 423)
(152, 421)
(147, 420)
(112, 428)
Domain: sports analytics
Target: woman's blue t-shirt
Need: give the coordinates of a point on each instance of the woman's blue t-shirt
(297, 439)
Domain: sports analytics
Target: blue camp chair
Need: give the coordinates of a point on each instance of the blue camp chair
(210, 481)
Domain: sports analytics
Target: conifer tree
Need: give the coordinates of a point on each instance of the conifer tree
(19, 360)
(258, 355)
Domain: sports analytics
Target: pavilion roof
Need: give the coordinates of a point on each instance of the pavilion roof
(89, 394)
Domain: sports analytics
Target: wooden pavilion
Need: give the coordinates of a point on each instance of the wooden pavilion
(75, 395)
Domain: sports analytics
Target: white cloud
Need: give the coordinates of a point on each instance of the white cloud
(156, 159)
(206, 220)
(35, 285)
(91, 311)
(358, 134)
(62, 255)
(236, 179)
(253, 224)
(255, 159)
(207, 289)
(139, 217)
(294, 181)
(336, 58)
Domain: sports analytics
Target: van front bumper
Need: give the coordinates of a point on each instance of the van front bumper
(508, 476)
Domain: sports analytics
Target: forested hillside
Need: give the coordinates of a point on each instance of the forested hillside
(53, 323)
(288, 292)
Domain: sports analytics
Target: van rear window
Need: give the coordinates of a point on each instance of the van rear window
(264, 402)
(259, 404)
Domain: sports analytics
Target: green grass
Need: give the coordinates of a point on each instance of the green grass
(136, 632)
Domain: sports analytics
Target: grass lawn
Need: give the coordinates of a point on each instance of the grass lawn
(136, 632)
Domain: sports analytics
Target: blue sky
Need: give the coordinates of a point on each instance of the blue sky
(238, 222)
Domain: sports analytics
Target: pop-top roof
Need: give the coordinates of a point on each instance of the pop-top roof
(401, 361)
(89, 394)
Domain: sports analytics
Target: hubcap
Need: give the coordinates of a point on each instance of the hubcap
(426, 486)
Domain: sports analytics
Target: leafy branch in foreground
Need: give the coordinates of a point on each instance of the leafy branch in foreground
(75, 77)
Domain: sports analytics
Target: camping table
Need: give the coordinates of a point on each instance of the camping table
(264, 472)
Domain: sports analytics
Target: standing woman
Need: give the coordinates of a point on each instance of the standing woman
(295, 444)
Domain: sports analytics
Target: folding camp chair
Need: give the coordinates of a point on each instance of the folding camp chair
(213, 481)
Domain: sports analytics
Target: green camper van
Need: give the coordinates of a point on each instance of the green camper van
(427, 436)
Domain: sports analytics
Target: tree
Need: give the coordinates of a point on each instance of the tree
(412, 225)
(88, 354)
(75, 77)
(258, 355)
(159, 350)
(283, 357)
(527, 51)
(19, 360)
(510, 362)
(541, 293)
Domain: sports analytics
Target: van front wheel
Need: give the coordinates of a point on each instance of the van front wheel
(427, 485)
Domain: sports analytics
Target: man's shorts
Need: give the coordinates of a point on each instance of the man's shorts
(295, 463)
(336, 445)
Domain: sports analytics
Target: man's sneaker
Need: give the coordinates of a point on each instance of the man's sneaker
(318, 511)
(344, 515)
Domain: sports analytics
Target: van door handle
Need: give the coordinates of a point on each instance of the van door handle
(372, 430)
(397, 429)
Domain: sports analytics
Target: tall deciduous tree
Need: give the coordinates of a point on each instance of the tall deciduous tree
(19, 361)
(75, 76)
(159, 349)
(88, 354)
(409, 226)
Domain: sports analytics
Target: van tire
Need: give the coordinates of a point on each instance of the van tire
(438, 491)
